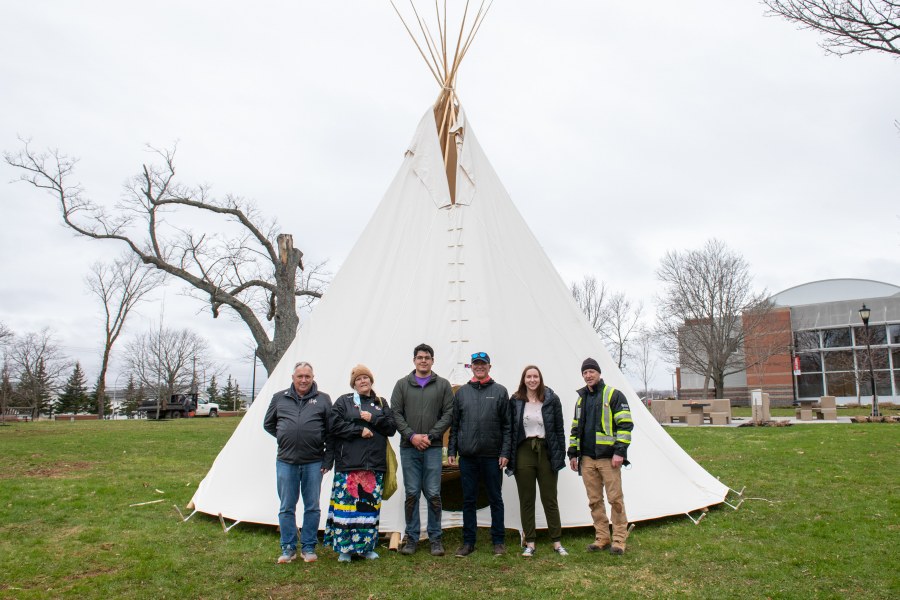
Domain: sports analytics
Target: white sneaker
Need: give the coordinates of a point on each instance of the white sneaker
(287, 555)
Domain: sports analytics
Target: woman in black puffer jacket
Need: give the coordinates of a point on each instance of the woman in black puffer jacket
(359, 427)
(538, 454)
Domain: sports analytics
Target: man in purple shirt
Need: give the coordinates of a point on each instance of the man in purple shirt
(423, 409)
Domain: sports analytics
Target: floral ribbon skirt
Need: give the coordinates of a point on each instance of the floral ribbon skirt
(352, 525)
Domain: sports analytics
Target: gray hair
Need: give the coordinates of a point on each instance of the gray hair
(303, 363)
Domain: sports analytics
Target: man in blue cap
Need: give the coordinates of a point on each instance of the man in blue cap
(481, 436)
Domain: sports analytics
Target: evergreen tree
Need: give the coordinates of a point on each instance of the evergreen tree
(6, 391)
(228, 393)
(133, 397)
(74, 397)
(92, 404)
(36, 390)
(213, 390)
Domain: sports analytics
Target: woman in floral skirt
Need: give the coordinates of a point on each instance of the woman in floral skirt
(360, 424)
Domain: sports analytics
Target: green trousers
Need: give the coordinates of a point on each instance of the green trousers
(533, 466)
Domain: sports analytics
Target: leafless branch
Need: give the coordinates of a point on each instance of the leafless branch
(849, 26)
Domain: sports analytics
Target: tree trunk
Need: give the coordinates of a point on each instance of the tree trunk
(719, 380)
(101, 382)
(285, 304)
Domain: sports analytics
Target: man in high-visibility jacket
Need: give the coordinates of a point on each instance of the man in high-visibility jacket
(598, 447)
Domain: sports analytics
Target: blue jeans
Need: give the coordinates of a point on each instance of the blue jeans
(474, 470)
(292, 479)
(422, 474)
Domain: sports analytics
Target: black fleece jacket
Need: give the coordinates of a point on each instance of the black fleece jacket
(300, 424)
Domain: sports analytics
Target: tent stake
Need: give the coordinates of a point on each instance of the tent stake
(181, 514)
(733, 506)
(700, 518)
(222, 521)
(740, 495)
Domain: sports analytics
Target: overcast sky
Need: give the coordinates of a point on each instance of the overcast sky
(621, 130)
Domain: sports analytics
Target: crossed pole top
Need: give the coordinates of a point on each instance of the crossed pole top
(436, 53)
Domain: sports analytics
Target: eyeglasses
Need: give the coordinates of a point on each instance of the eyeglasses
(479, 355)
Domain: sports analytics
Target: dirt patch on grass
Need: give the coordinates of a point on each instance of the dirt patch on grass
(55, 470)
(91, 573)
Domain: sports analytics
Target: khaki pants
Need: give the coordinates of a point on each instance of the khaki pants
(598, 475)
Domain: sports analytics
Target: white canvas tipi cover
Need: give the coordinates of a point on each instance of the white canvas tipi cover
(461, 277)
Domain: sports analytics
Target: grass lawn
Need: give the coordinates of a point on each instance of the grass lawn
(821, 520)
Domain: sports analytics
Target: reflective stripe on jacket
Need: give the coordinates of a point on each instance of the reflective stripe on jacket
(615, 425)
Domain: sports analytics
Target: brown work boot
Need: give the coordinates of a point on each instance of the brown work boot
(618, 549)
(598, 546)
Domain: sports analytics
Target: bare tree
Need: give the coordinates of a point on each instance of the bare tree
(163, 361)
(119, 286)
(253, 270)
(644, 358)
(622, 322)
(705, 310)
(612, 315)
(849, 26)
(39, 365)
(6, 389)
(591, 297)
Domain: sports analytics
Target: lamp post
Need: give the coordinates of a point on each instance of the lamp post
(864, 314)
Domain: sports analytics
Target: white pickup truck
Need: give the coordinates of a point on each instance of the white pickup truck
(205, 408)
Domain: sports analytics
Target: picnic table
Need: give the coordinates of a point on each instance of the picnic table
(695, 417)
(805, 410)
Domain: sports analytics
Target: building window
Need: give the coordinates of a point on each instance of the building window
(840, 384)
(807, 340)
(876, 333)
(836, 338)
(839, 360)
(810, 386)
(882, 384)
(810, 362)
(893, 333)
(879, 359)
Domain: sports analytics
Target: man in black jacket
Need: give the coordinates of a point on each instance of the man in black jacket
(298, 418)
(598, 447)
(481, 436)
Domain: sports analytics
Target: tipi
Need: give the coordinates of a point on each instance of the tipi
(448, 260)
